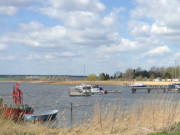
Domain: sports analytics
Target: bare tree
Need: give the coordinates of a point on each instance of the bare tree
(117, 74)
(129, 74)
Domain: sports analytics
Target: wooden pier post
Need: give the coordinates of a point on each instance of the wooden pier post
(164, 90)
(133, 90)
(71, 108)
(149, 90)
(178, 90)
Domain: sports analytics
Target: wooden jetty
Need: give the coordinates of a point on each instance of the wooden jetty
(163, 88)
(114, 91)
(74, 92)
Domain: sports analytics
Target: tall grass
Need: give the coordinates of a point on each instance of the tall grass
(151, 115)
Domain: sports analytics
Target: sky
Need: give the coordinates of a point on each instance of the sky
(77, 37)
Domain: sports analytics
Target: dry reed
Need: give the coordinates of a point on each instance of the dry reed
(152, 114)
(110, 82)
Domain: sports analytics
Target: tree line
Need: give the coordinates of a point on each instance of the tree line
(140, 74)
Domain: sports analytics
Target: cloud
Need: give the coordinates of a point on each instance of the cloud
(36, 35)
(33, 57)
(5, 58)
(83, 31)
(139, 29)
(82, 14)
(80, 29)
(78, 5)
(124, 45)
(158, 51)
(177, 56)
(57, 55)
(162, 17)
(67, 54)
(8, 10)
(32, 26)
(11, 7)
(3, 47)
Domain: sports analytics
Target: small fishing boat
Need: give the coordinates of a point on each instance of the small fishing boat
(11, 113)
(18, 109)
(48, 115)
(16, 112)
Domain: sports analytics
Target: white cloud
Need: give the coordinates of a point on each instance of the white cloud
(158, 51)
(177, 56)
(86, 32)
(138, 28)
(67, 54)
(82, 15)
(164, 15)
(49, 57)
(57, 55)
(33, 57)
(11, 7)
(124, 45)
(8, 10)
(4, 58)
(78, 5)
(36, 35)
(32, 26)
(3, 47)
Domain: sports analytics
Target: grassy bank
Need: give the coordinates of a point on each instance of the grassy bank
(110, 82)
(156, 114)
(99, 82)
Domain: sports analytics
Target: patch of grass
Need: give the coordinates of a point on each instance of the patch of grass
(7, 79)
(164, 133)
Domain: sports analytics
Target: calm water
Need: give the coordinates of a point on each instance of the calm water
(47, 97)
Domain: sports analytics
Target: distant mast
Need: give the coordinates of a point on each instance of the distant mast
(175, 69)
(84, 71)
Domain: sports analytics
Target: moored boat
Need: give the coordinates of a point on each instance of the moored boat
(17, 110)
(138, 85)
(90, 89)
(174, 85)
(48, 115)
(11, 113)
(84, 90)
(96, 89)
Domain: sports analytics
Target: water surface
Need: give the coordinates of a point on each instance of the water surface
(47, 97)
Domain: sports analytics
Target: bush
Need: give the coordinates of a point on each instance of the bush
(92, 77)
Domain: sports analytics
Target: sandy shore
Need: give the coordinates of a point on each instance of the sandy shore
(97, 82)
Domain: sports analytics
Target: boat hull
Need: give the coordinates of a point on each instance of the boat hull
(15, 113)
(50, 115)
(11, 113)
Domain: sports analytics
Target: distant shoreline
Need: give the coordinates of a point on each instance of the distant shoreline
(95, 82)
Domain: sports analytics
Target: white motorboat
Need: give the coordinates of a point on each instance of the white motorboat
(91, 88)
(84, 89)
(96, 89)
(138, 85)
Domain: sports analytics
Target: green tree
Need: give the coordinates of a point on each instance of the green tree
(139, 78)
(92, 77)
(102, 76)
(107, 77)
(167, 75)
(152, 77)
